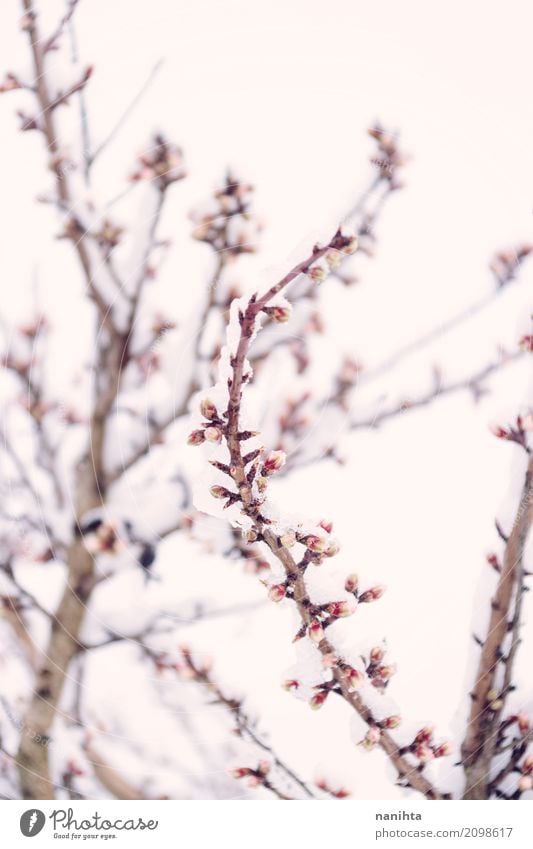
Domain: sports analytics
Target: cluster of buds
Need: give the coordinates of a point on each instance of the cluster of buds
(161, 163)
(351, 585)
(335, 793)
(226, 223)
(517, 432)
(425, 749)
(506, 263)
(318, 546)
(378, 672)
(255, 777)
(212, 429)
(388, 158)
(332, 259)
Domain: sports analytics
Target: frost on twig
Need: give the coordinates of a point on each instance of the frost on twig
(245, 468)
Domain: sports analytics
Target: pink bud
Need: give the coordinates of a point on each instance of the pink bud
(499, 431)
(196, 437)
(352, 677)
(352, 246)
(277, 592)
(391, 722)
(351, 583)
(279, 314)
(523, 723)
(318, 699)
(317, 544)
(526, 344)
(315, 631)
(273, 462)
(386, 672)
(492, 560)
(213, 434)
(525, 783)
(219, 492)
(424, 735)
(527, 766)
(240, 772)
(340, 608)
(208, 409)
(424, 753)
(372, 594)
(373, 735)
(443, 750)
(377, 654)
(332, 549)
(290, 684)
(264, 767)
(327, 525)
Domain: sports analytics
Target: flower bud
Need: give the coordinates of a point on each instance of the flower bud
(264, 767)
(340, 608)
(526, 344)
(333, 258)
(443, 750)
(317, 273)
(332, 549)
(525, 783)
(373, 734)
(196, 437)
(523, 723)
(351, 583)
(316, 631)
(277, 592)
(391, 722)
(288, 539)
(373, 594)
(424, 735)
(386, 672)
(219, 492)
(499, 431)
(240, 772)
(352, 246)
(317, 544)
(213, 434)
(352, 677)
(279, 314)
(424, 753)
(318, 699)
(273, 462)
(290, 684)
(327, 525)
(527, 766)
(208, 409)
(377, 654)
